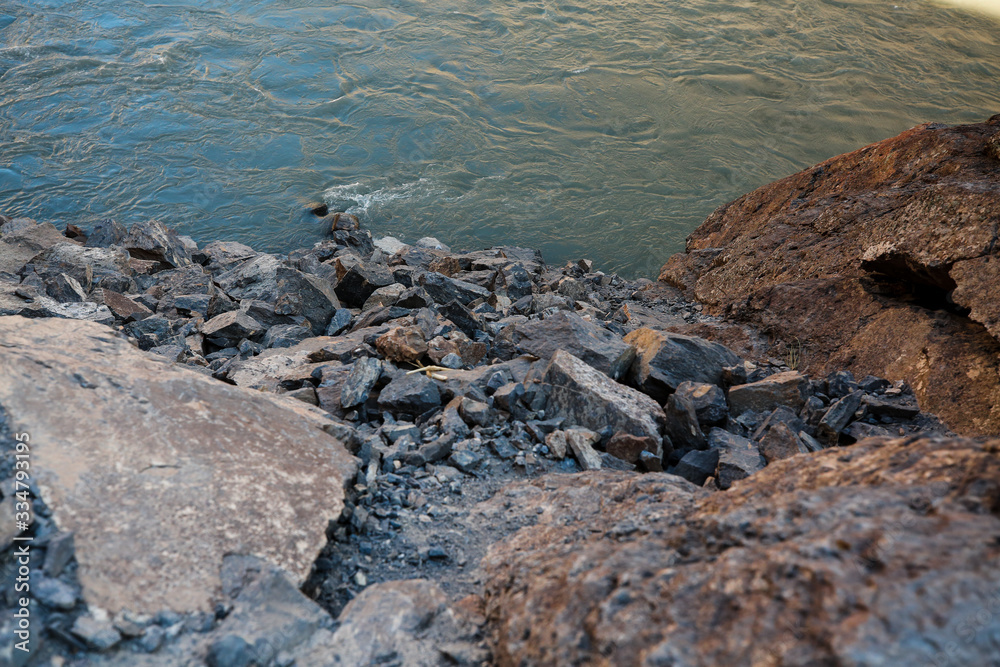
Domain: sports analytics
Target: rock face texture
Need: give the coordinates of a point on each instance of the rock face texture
(886, 553)
(160, 471)
(884, 260)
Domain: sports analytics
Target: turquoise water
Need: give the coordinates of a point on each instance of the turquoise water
(604, 129)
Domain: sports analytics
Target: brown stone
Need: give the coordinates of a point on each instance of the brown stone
(628, 447)
(840, 557)
(402, 344)
(125, 308)
(159, 471)
(855, 261)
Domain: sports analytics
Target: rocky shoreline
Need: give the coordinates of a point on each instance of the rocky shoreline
(372, 452)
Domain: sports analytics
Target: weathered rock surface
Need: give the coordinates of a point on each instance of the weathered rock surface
(587, 341)
(884, 554)
(883, 260)
(587, 397)
(664, 360)
(159, 472)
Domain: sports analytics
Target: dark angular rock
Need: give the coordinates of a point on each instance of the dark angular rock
(341, 320)
(54, 593)
(508, 396)
(898, 407)
(412, 394)
(231, 327)
(840, 414)
(286, 335)
(443, 289)
(709, 401)
(841, 383)
(682, 422)
(514, 281)
(359, 280)
(99, 635)
(587, 397)
(664, 360)
(107, 233)
(650, 462)
(59, 553)
(476, 413)
(364, 374)
(697, 466)
(150, 240)
(65, 289)
(738, 457)
(780, 415)
(568, 331)
(463, 318)
(861, 430)
(231, 651)
(781, 442)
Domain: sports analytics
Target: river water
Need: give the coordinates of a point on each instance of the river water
(606, 129)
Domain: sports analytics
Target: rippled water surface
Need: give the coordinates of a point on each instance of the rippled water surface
(606, 129)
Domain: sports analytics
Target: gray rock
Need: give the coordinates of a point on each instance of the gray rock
(201, 440)
(738, 457)
(286, 335)
(58, 553)
(682, 422)
(99, 635)
(398, 622)
(564, 330)
(151, 639)
(508, 396)
(364, 374)
(292, 292)
(150, 240)
(898, 407)
(841, 383)
(339, 322)
(765, 395)
(358, 281)
(384, 297)
(107, 233)
(781, 442)
(840, 414)
(91, 267)
(54, 593)
(443, 289)
(697, 466)
(463, 318)
(581, 442)
(860, 430)
(411, 394)
(587, 397)
(65, 289)
(21, 245)
(231, 651)
(231, 327)
(708, 400)
(665, 360)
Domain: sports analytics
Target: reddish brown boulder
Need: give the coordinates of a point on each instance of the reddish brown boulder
(884, 553)
(884, 261)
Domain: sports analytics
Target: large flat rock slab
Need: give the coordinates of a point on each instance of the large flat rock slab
(881, 554)
(160, 471)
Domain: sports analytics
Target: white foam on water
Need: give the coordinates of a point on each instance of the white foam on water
(358, 198)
